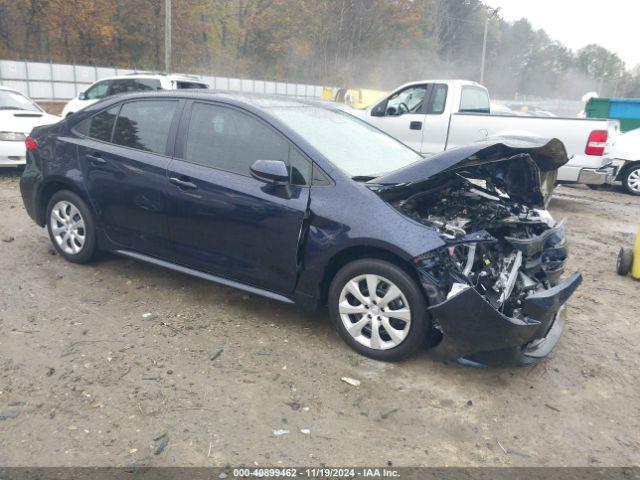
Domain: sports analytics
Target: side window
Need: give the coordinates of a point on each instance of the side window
(474, 100)
(223, 138)
(320, 178)
(438, 99)
(126, 85)
(100, 126)
(299, 168)
(99, 90)
(409, 100)
(145, 125)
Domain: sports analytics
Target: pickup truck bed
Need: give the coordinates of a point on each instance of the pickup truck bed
(573, 132)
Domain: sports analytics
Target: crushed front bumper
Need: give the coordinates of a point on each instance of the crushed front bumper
(474, 330)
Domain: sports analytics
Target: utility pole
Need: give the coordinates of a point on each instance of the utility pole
(167, 36)
(484, 41)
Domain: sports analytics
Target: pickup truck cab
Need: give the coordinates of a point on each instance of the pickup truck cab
(431, 116)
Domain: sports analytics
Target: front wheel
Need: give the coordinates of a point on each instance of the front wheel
(379, 310)
(631, 179)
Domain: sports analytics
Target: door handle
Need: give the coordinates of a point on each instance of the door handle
(415, 126)
(183, 183)
(96, 159)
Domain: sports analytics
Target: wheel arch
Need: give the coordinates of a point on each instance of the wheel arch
(352, 253)
(625, 167)
(49, 189)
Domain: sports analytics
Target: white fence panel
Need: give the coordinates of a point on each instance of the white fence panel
(39, 71)
(13, 70)
(21, 86)
(52, 81)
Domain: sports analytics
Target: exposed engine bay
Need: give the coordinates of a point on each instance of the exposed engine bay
(504, 249)
(493, 283)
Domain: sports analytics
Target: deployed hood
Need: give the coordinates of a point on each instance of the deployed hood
(24, 120)
(523, 167)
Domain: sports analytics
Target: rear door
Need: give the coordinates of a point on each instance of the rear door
(221, 219)
(402, 114)
(124, 154)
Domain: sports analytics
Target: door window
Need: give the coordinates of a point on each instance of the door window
(409, 100)
(226, 139)
(144, 125)
(97, 91)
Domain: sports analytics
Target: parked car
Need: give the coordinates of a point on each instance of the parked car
(435, 115)
(627, 160)
(130, 83)
(304, 203)
(18, 116)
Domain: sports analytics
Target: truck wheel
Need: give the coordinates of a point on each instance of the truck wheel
(625, 260)
(631, 179)
(379, 310)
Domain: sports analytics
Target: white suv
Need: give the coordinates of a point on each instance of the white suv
(130, 83)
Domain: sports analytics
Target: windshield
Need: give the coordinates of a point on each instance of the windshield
(350, 144)
(15, 101)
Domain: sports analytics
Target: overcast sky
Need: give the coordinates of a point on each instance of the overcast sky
(614, 24)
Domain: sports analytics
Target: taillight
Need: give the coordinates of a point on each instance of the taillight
(30, 143)
(597, 142)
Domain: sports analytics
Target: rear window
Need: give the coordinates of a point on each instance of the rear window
(126, 85)
(144, 125)
(181, 85)
(474, 100)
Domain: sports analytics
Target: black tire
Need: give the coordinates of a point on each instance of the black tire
(419, 327)
(626, 177)
(88, 250)
(625, 261)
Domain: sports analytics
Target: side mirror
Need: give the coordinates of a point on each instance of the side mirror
(270, 171)
(82, 96)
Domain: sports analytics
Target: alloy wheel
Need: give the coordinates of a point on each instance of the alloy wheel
(633, 181)
(375, 312)
(67, 227)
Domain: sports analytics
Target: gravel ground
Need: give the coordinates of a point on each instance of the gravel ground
(98, 362)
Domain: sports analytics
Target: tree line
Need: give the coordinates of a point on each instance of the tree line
(367, 43)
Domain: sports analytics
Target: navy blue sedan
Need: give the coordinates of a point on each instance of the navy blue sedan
(301, 202)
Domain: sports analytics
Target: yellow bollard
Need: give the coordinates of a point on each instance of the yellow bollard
(635, 266)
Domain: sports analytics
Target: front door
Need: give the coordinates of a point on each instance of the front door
(221, 219)
(124, 157)
(402, 115)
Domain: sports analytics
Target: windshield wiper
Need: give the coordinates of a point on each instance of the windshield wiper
(11, 108)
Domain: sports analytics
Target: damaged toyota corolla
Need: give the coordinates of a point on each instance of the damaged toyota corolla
(303, 203)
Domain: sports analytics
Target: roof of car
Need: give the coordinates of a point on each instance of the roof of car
(171, 76)
(258, 100)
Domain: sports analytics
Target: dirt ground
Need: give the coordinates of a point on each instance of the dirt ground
(98, 361)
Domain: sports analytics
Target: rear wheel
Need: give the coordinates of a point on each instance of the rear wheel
(379, 310)
(631, 179)
(71, 227)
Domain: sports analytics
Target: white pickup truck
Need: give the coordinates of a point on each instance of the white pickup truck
(435, 115)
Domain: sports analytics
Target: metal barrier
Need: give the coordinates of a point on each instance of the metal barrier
(61, 82)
